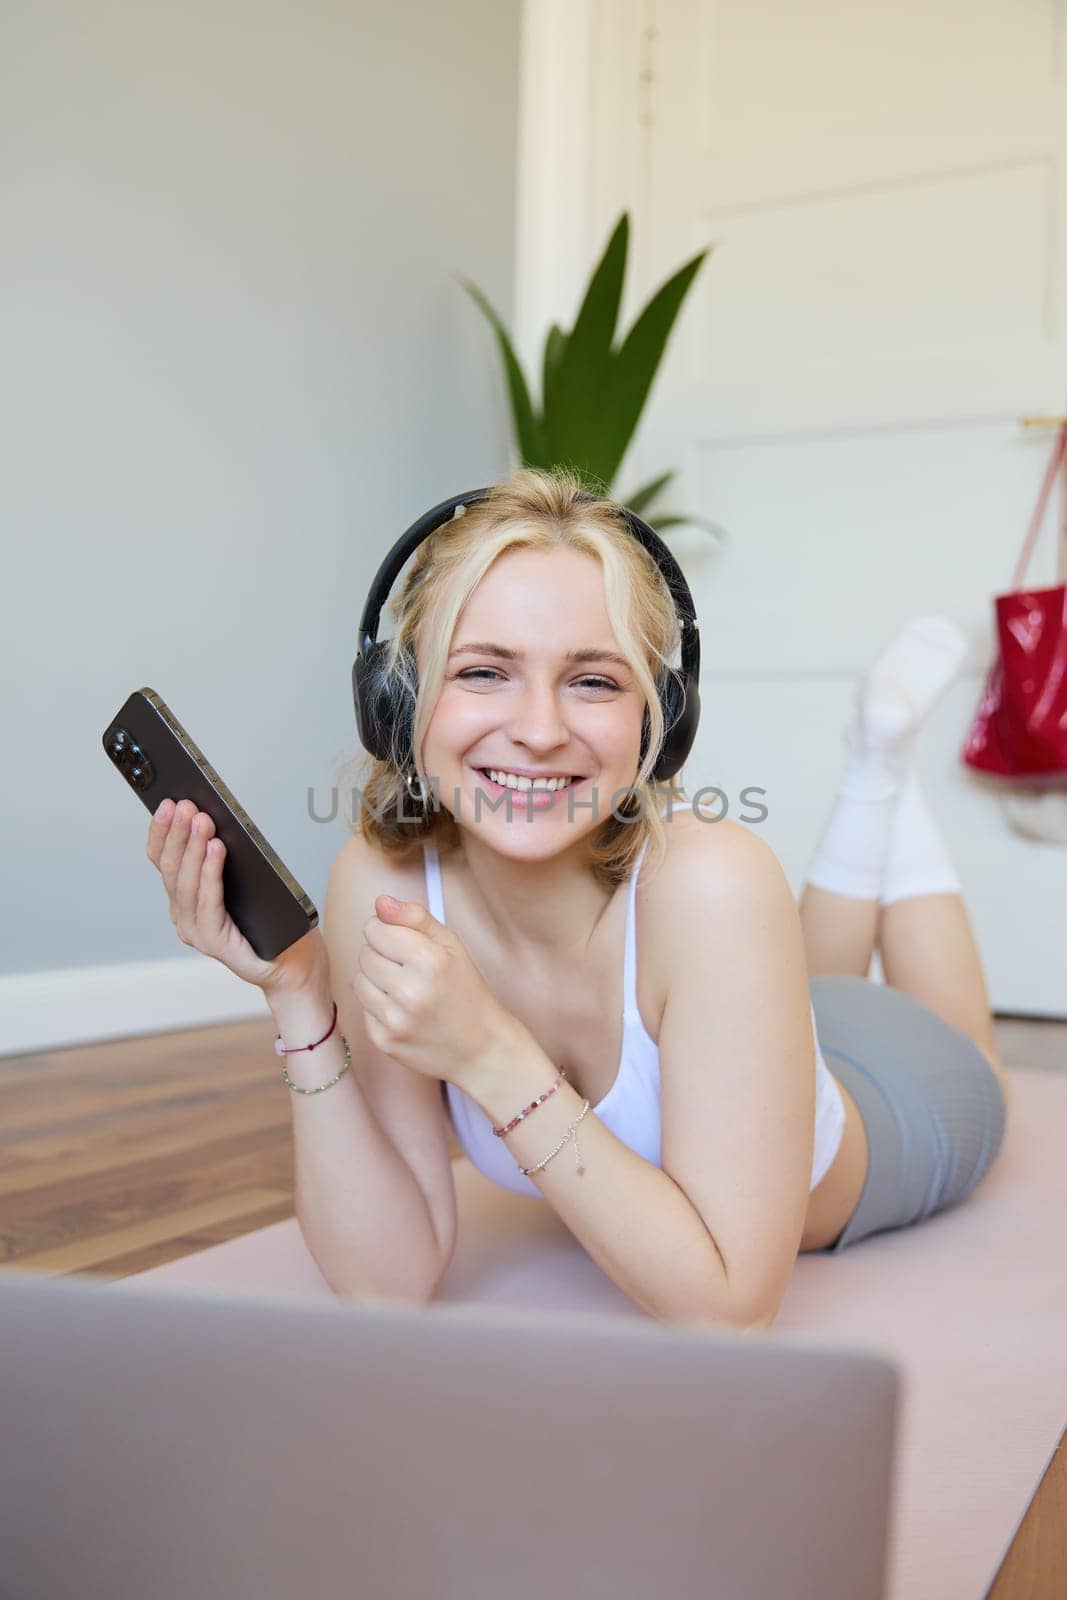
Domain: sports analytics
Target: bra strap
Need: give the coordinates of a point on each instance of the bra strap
(434, 891)
(629, 969)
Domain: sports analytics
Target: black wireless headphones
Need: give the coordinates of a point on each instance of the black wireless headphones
(385, 708)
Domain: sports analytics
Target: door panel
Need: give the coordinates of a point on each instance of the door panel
(885, 190)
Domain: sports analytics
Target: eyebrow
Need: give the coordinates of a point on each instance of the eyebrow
(502, 653)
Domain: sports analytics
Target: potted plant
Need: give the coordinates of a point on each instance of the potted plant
(592, 393)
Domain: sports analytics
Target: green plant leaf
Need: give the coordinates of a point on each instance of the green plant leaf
(572, 417)
(592, 482)
(555, 344)
(528, 434)
(635, 366)
(647, 493)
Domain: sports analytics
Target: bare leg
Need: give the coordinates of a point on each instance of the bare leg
(839, 931)
(880, 840)
(928, 949)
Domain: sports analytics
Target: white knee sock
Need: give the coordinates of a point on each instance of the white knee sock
(917, 862)
(892, 700)
(851, 853)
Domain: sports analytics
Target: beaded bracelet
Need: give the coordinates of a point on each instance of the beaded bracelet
(525, 1112)
(296, 1087)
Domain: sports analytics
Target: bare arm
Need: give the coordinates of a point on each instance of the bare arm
(374, 1191)
(359, 1206)
(372, 1224)
(712, 1236)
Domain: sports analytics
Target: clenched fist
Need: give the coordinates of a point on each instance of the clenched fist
(426, 1004)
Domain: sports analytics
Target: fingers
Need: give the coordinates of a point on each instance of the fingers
(384, 936)
(398, 943)
(382, 970)
(174, 842)
(177, 845)
(210, 905)
(385, 1012)
(187, 880)
(158, 829)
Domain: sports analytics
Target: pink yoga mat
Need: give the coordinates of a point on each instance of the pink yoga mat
(971, 1304)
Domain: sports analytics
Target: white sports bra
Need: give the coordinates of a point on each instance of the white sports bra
(631, 1107)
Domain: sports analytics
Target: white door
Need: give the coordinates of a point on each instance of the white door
(885, 187)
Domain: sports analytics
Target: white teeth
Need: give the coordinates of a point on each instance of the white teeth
(511, 780)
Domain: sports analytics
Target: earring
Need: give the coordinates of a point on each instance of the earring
(421, 797)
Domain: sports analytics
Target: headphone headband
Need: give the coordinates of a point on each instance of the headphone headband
(405, 546)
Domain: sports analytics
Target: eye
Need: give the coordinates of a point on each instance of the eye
(489, 672)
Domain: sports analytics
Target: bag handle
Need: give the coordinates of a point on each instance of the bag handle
(1057, 460)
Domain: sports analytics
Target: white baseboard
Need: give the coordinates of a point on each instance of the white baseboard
(82, 1005)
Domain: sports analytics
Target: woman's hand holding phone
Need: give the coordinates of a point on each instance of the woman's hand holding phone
(182, 845)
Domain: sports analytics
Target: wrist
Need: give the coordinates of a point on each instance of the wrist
(511, 1060)
(302, 1015)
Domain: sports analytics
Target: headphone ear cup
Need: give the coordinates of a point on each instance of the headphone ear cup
(681, 714)
(671, 699)
(385, 706)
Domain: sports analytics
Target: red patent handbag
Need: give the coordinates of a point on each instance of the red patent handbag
(1020, 728)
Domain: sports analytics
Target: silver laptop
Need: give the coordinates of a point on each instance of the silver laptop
(157, 1446)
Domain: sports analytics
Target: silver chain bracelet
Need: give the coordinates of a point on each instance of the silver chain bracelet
(572, 1132)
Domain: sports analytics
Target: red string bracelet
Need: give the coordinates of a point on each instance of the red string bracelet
(279, 1048)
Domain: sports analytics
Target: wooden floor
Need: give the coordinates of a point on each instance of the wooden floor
(118, 1157)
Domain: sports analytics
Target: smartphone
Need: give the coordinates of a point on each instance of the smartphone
(147, 744)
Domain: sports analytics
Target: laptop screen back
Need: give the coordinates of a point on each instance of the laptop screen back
(162, 1445)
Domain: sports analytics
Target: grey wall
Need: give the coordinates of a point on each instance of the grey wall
(235, 364)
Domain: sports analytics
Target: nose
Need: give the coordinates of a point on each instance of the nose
(538, 721)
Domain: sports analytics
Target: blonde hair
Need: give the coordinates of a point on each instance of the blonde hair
(532, 510)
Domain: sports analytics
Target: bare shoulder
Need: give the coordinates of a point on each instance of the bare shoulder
(714, 876)
(729, 851)
(360, 873)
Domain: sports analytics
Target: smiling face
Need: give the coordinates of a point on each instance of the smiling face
(535, 710)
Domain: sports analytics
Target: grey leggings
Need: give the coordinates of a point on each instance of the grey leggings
(930, 1101)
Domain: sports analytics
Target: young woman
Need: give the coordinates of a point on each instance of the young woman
(614, 998)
